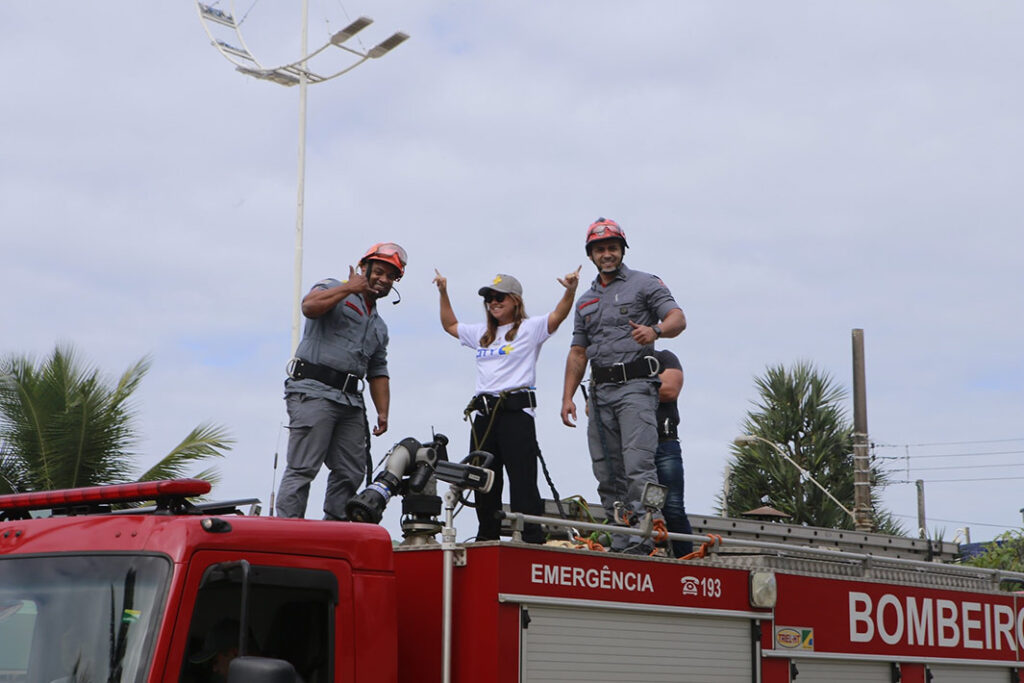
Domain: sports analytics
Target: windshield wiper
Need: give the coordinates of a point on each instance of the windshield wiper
(119, 640)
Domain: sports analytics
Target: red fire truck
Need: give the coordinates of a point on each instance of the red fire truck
(96, 593)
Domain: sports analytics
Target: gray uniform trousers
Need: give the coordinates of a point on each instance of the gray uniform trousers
(623, 435)
(322, 432)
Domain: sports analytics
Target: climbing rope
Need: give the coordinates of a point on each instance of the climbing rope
(705, 547)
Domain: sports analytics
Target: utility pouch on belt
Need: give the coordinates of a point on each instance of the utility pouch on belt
(343, 381)
(487, 403)
(641, 368)
(667, 430)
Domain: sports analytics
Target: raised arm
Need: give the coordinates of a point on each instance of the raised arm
(448, 320)
(561, 311)
(671, 326)
(320, 301)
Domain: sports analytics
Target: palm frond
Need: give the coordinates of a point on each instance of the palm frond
(64, 425)
(204, 442)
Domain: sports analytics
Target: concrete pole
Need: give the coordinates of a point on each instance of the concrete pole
(726, 482)
(922, 523)
(862, 512)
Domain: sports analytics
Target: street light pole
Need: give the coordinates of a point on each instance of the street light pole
(294, 73)
(300, 202)
(750, 439)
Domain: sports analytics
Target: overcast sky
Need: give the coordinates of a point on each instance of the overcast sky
(792, 170)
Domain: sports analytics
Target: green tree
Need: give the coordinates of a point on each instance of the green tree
(800, 409)
(63, 425)
(1006, 552)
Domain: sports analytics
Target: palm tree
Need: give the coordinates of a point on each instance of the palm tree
(62, 425)
(800, 410)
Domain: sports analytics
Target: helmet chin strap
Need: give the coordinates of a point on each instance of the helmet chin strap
(396, 301)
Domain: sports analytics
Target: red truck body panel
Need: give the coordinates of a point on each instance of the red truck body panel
(485, 611)
(387, 623)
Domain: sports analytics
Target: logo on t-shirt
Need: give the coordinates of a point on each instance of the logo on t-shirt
(500, 351)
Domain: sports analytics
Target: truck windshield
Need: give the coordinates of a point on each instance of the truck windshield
(79, 619)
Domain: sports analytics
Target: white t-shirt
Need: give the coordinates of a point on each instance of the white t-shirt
(506, 364)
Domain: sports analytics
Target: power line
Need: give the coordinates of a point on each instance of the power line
(959, 521)
(966, 467)
(947, 455)
(945, 481)
(940, 443)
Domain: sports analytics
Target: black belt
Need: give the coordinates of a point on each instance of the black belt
(343, 381)
(486, 403)
(641, 368)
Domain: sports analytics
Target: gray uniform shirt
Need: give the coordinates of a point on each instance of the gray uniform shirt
(601, 322)
(350, 338)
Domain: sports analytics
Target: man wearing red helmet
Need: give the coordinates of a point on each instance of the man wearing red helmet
(616, 324)
(344, 341)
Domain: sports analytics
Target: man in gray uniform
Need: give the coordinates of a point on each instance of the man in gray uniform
(344, 341)
(617, 321)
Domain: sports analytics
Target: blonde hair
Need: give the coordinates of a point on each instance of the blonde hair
(518, 316)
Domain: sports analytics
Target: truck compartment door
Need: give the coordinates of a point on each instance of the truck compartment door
(597, 645)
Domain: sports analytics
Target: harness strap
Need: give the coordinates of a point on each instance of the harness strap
(368, 457)
(482, 403)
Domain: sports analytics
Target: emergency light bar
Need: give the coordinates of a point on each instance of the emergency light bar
(95, 495)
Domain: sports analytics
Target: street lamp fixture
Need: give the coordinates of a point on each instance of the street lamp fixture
(388, 45)
(276, 76)
(751, 439)
(295, 73)
(350, 30)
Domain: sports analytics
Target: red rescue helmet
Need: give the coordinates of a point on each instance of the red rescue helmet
(388, 252)
(605, 229)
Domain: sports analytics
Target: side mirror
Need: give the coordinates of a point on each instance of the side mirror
(261, 670)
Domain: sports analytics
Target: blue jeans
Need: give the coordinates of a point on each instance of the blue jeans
(669, 461)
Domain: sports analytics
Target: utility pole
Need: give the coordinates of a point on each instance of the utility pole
(862, 513)
(922, 524)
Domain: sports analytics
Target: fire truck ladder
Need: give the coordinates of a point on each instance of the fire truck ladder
(716, 548)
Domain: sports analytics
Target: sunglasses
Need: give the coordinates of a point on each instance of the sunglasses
(497, 296)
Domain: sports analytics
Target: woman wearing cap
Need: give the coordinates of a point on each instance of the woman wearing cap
(507, 345)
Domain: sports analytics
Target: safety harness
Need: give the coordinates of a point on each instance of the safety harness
(518, 398)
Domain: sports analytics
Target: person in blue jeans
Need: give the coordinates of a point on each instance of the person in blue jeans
(669, 457)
